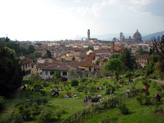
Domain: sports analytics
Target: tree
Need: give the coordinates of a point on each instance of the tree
(10, 72)
(13, 45)
(90, 47)
(56, 75)
(49, 54)
(128, 59)
(115, 56)
(115, 65)
(73, 58)
(141, 51)
(31, 49)
(159, 47)
(37, 54)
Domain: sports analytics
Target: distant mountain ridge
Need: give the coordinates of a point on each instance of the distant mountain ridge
(150, 36)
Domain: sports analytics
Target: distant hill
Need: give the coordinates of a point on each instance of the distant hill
(150, 36)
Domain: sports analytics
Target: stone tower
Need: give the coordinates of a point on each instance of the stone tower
(121, 36)
(88, 34)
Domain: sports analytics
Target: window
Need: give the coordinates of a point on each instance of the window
(90, 69)
(46, 72)
(64, 73)
(51, 73)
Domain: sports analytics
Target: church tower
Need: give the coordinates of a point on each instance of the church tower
(88, 34)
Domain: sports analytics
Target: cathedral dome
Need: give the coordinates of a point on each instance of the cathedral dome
(137, 36)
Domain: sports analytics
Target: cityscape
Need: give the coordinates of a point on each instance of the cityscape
(82, 61)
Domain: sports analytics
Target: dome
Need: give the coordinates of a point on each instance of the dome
(137, 36)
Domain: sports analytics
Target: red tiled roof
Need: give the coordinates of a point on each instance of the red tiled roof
(82, 64)
(57, 67)
(26, 61)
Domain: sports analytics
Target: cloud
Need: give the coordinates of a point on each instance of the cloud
(96, 7)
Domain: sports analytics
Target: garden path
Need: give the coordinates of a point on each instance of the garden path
(10, 107)
(160, 81)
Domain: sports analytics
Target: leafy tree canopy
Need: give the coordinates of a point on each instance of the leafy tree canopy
(128, 59)
(31, 49)
(56, 75)
(10, 72)
(49, 54)
(114, 65)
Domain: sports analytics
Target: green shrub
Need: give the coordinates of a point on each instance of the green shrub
(159, 89)
(140, 99)
(36, 109)
(134, 92)
(123, 109)
(2, 103)
(121, 81)
(27, 113)
(81, 88)
(161, 75)
(39, 101)
(82, 80)
(59, 114)
(154, 84)
(37, 87)
(74, 82)
(46, 114)
(44, 100)
(17, 118)
(63, 111)
(27, 81)
(129, 74)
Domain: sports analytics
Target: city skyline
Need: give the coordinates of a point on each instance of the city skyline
(70, 19)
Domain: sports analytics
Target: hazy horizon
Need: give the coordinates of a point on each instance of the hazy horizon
(70, 19)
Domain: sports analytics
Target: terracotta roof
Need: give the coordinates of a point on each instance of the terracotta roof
(145, 56)
(26, 61)
(82, 64)
(57, 67)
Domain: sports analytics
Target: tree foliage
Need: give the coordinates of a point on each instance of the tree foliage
(31, 49)
(49, 54)
(56, 75)
(159, 47)
(10, 72)
(115, 65)
(19, 50)
(128, 59)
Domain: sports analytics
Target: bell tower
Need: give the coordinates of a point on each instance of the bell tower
(88, 34)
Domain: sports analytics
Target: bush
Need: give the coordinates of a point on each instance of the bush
(26, 113)
(39, 101)
(82, 80)
(74, 82)
(134, 92)
(37, 87)
(17, 118)
(46, 114)
(44, 100)
(81, 88)
(59, 114)
(154, 84)
(121, 81)
(159, 89)
(123, 109)
(140, 99)
(2, 103)
(128, 74)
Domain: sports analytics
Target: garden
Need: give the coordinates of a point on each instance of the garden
(55, 101)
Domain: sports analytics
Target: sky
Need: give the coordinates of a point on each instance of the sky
(33, 20)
